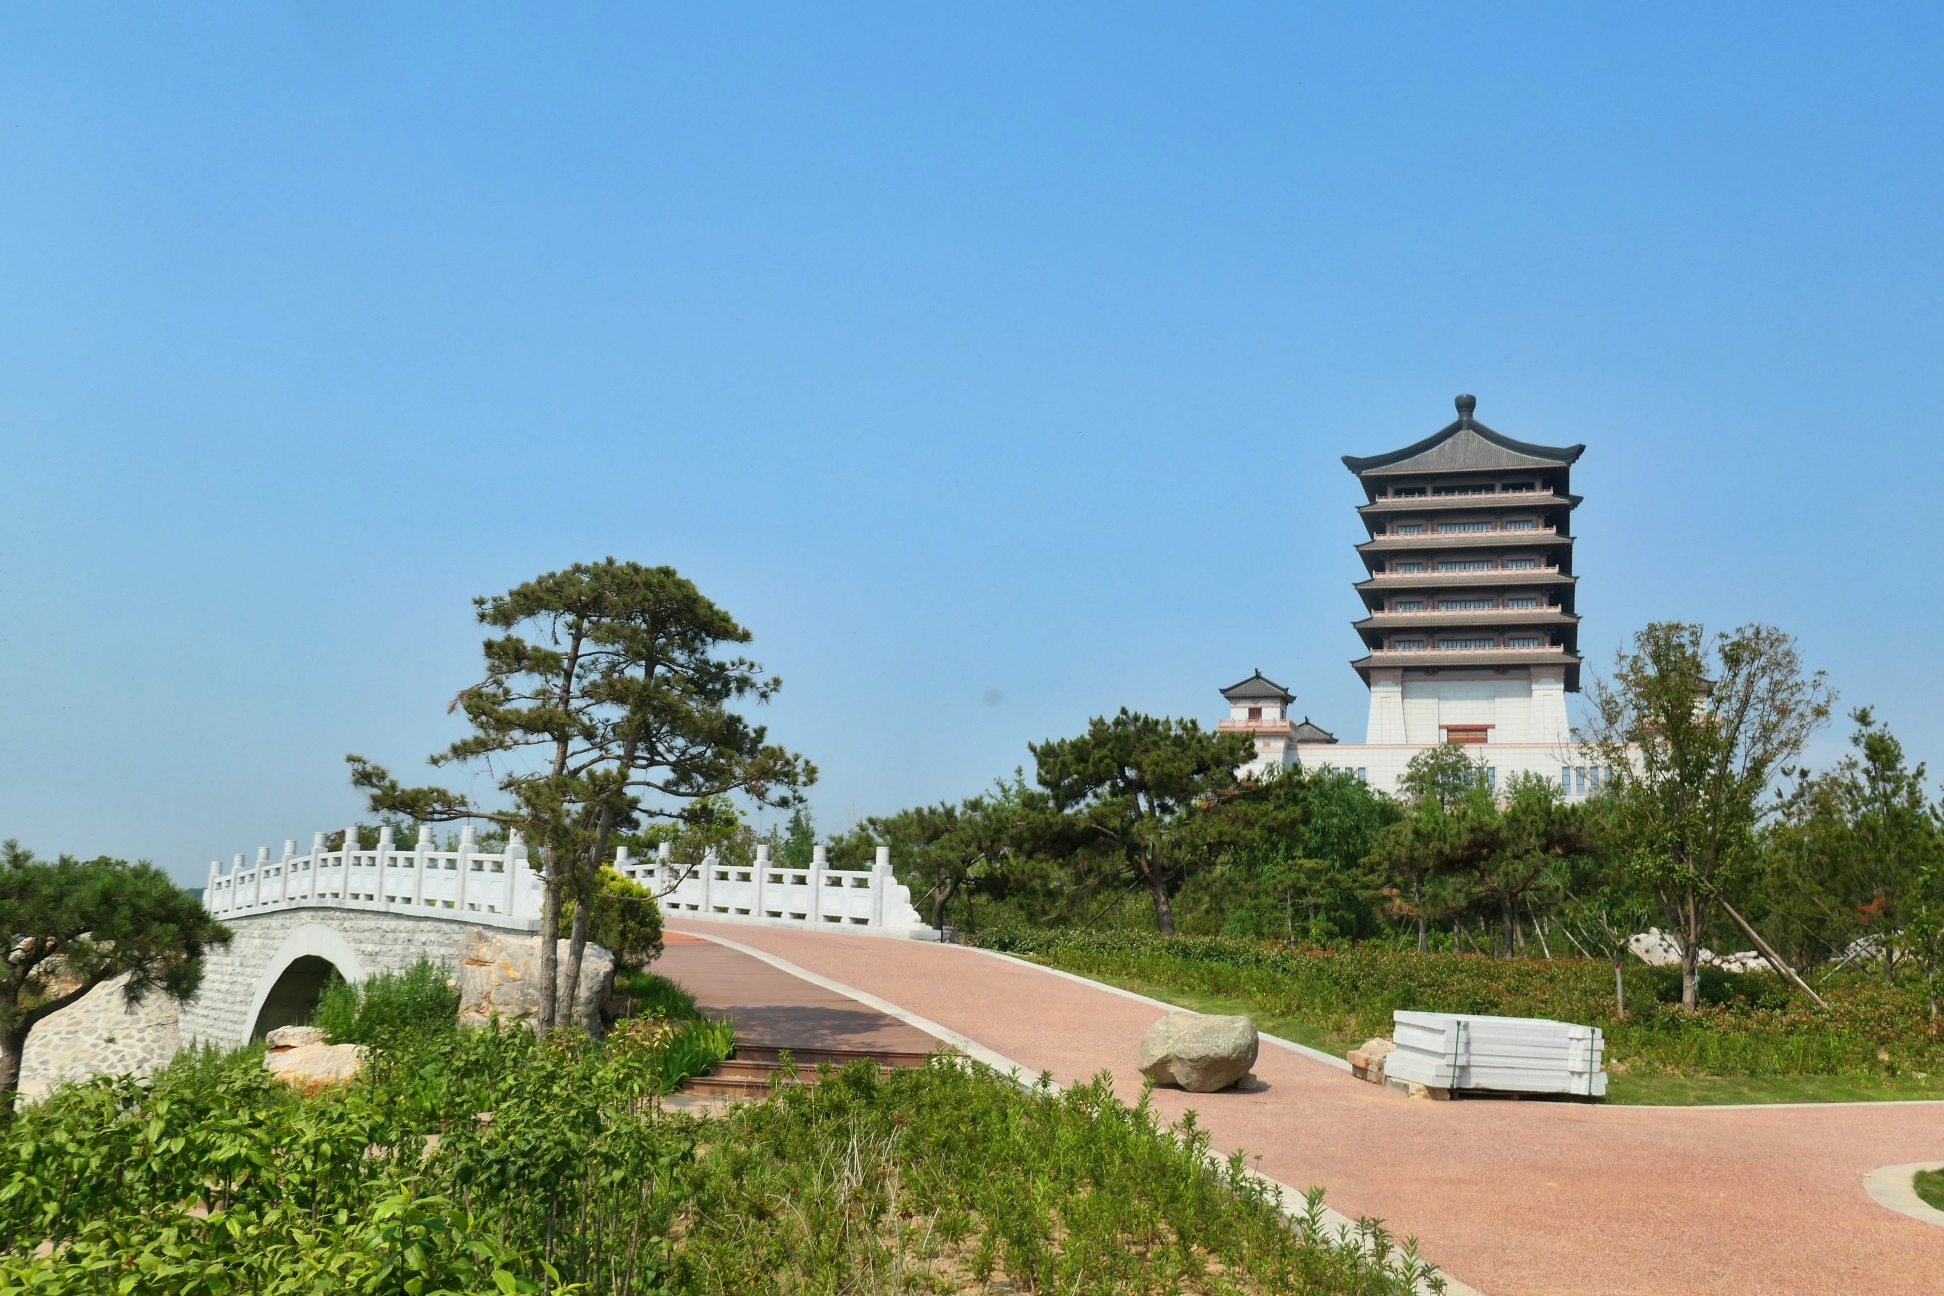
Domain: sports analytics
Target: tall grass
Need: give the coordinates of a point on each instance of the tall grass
(423, 999)
(1748, 1024)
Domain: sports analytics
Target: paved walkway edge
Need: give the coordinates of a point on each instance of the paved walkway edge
(1891, 1186)
(1285, 1193)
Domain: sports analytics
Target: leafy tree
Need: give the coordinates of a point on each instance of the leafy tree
(798, 847)
(1130, 785)
(1849, 848)
(1428, 854)
(946, 850)
(70, 925)
(1537, 850)
(623, 918)
(1692, 729)
(620, 708)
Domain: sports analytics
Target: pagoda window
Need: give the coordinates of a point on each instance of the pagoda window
(1408, 528)
(1407, 492)
(1407, 645)
(1521, 564)
(1408, 567)
(1454, 528)
(1255, 713)
(1465, 564)
(1465, 645)
(1523, 524)
(1408, 605)
(1522, 601)
(1516, 486)
(1465, 604)
(1465, 490)
(1525, 641)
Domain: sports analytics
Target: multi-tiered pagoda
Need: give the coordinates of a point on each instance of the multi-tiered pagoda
(1469, 616)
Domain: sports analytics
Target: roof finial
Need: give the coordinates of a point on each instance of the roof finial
(1465, 404)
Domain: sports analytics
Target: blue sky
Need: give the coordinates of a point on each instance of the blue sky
(991, 365)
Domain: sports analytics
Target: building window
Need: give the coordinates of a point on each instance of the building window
(1255, 713)
(1516, 486)
(1468, 735)
(1407, 645)
(1522, 601)
(1521, 564)
(1524, 641)
(1456, 528)
(1407, 567)
(1408, 605)
(1407, 492)
(1464, 490)
(1363, 774)
(1408, 528)
(1491, 777)
(1522, 525)
(1467, 564)
(1465, 645)
(1465, 604)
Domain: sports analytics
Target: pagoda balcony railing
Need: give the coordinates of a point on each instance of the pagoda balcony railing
(1543, 650)
(1393, 614)
(1494, 499)
(1486, 577)
(1453, 539)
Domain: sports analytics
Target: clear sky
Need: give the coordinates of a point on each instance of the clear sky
(992, 364)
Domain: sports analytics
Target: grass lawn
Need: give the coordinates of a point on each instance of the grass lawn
(1930, 1187)
(1631, 1090)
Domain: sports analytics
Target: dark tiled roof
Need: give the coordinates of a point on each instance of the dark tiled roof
(1258, 687)
(1465, 444)
(1307, 732)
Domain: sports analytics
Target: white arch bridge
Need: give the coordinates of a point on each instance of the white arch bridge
(358, 912)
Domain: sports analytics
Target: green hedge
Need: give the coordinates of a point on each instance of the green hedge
(1748, 1025)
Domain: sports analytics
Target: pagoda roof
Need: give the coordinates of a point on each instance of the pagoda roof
(1310, 732)
(1258, 687)
(1463, 446)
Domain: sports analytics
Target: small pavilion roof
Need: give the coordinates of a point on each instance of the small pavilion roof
(1310, 732)
(1464, 445)
(1258, 688)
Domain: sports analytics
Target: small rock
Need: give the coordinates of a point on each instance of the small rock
(293, 1037)
(1199, 1053)
(314, 1067)
(1367, 1063)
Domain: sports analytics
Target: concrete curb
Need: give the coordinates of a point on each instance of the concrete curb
(1290, 1198)
(1890, 1186)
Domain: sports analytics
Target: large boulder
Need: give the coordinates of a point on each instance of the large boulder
(1201, 1054)
(298, 1056)
(500, 974)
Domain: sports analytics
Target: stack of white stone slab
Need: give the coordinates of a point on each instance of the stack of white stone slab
(1507, 1054)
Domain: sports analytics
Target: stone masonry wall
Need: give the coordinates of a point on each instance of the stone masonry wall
(380, 942)
(99, 1035)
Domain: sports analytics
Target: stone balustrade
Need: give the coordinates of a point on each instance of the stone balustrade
(772, 893)
(481, 888)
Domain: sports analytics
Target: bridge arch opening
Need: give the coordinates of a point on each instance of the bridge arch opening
(293, 998)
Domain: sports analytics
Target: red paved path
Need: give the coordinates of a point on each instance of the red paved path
(1517, 1199)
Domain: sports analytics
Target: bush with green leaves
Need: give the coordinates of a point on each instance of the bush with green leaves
(423, 999)
(486, 1161)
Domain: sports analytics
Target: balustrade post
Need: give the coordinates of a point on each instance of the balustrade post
(385, 848)
(316, 863)
(210, 894)
(621, 862)
(421, 857)
(236, 879)
(881, 880)
(468, 841)
(283, 870)
(514, 870)
(819, 863)
(708, 881)
(345, 893)
(665, 866)
(759, 875)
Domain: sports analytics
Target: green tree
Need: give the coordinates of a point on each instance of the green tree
(798, 847)
(70, 925)
(946, 850)
(1447, 828)
(1536, 851)
(1692, 729)
(623, 918)
(1128, 790)
(1848, 849)
(613, 706)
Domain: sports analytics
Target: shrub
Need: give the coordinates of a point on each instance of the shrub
(657, 996)
(390, 1006)
(622, 918)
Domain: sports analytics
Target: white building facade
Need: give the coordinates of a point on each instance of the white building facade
(1470, 625)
